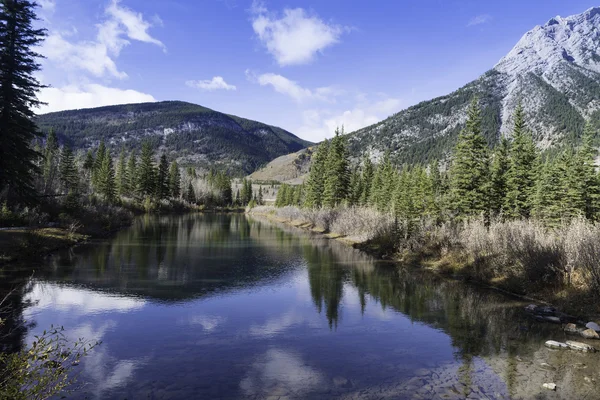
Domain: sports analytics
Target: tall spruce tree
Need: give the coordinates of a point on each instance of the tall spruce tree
(121, 176)
(106, 179)
(367, 180)
(337, 167)
(69, 175)
(469, 173)
(315, 183)
(145, 172)
(586, 174)
(162, 178)
(18, 96)
(51, 161)
(98, 161)
(174, 180)
(522, 172)
(132, 181)
(499, 172)
(547, 205)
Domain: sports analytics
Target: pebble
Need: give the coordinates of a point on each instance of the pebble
(590, 334)
(553, 319)
(571, 328)
(547, 366)
(580, 346)
(553, 344)
(549, 386)
(593, 325)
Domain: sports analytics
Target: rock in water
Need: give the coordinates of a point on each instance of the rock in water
(590, 334)
(571, 328)
(593, 325)
(553, 319)
(531, 308)
(549, 386)
(580, 346)
(553, 344)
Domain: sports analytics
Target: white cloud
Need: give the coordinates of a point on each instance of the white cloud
(480, 19)
(291, 88)
(320, 124)
(97, 57)
(134, 24)
(294, 37)
(216, 83)
(88, 96)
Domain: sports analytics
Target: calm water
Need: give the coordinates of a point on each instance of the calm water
(224, 306)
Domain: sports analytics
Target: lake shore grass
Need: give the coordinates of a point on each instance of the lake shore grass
(519, 258)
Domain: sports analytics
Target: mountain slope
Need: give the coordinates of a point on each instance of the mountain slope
(554, 69)
(192, 134)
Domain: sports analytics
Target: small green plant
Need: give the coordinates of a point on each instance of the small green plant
(44, 369)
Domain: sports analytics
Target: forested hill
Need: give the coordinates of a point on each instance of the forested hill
(191, 134)
(554, 70)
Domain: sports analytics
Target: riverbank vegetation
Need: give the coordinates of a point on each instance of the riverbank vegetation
(512, 216)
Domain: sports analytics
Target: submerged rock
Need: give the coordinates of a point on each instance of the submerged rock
(547, 367)
(546, 310)
(593, 325)
(553, 319)
(590, 334)
(553, 344)
(531, 308)
(549, 386)
(571, 328)
(580, 346)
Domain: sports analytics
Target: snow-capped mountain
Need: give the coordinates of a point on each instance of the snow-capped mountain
(554, 69)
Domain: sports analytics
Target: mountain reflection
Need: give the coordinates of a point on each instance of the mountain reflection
(271, 299)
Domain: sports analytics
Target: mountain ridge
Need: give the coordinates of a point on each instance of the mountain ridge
(192, 134)
(554, 69)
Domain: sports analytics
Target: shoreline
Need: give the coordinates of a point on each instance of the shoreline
(431, 265)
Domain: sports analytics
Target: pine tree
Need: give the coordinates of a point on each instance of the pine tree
(367, 180)
(191, 194)
(88, 166)
(18, 90)
(121, 178)
(337, 177)
(469, 173)
(587, 176)
(316, 177)
(162, 179)
(384, 185)
(572, 199)
(106, 179)
(522, 172)
(499, 171)
(132, 181)
(51, 155)
(69, 175)
(548, 195)
(98, 161)
(145, 172)
(174, 180)
(260, 199)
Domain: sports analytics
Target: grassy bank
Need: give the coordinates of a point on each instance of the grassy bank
(560, 265)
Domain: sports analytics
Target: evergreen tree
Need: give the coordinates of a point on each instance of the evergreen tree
(132, 181)
(146, 174)
(469, 173)
(356, 188)
(315, 182)
(499, 171)
(367, 180)
(98, 161)
(69, 175)
(548, 195)
(522, 172)
(106, 179)
(162, 179)
(121, 178)
(572, 199)
(88, 165)
(191, 194)
(337, 167)
(260, 199)
(586, 174)
(174, 180)
(384, 185)
(18, 89)
(51, 155)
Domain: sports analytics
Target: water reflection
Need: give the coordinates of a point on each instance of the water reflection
(226, 306)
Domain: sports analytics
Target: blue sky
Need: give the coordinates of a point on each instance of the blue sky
(306, 66)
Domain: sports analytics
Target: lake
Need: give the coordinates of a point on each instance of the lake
(227, 306)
